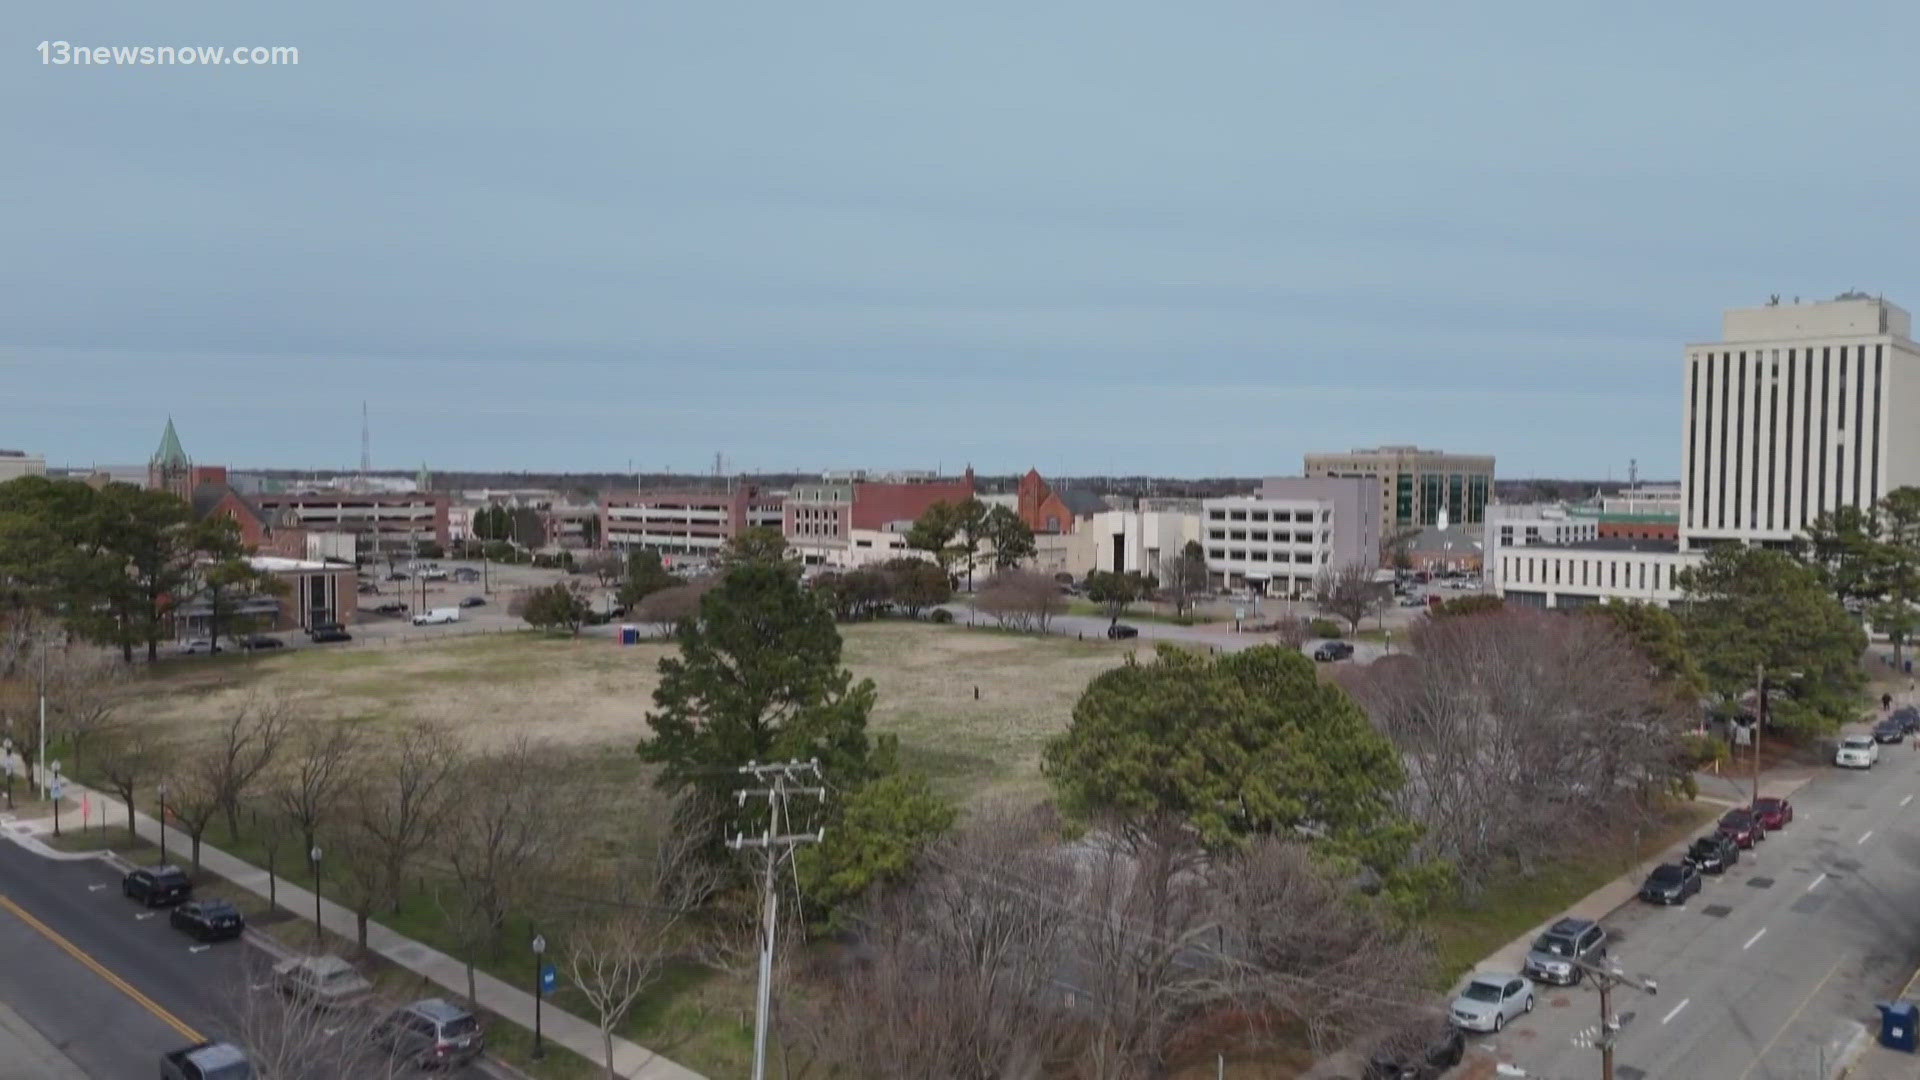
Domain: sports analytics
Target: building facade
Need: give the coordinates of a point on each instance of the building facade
(17, 463)
(1417, 487)
(820, 520)
(1047, 510)
(382, 524)
(314, 593)
(1798, 410)
(686, 523)
(1276, 541)
(1517, 525)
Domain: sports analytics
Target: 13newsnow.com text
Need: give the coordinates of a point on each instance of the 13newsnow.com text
(68, 54)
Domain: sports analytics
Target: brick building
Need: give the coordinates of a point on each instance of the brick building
(819, 520)
(1050, 512)
(686, 523)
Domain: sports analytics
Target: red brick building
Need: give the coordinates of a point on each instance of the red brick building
(819, 520)
(1047, 511)
(1639, 527)
(689, 523)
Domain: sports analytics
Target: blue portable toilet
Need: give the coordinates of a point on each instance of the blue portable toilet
(629, 634)
(1897, 1021)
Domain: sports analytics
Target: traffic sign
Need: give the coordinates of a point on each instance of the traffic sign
(549, 979)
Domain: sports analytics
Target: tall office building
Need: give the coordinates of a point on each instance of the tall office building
(1800, 409)
(1417, 486)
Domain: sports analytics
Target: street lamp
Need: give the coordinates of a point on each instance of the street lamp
(58, 789)
(318, 931)
(6, 762)
(539, 950)
(161, 791)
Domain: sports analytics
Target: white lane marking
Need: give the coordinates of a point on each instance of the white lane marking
(1676, 1010)
(258, 986)
(1906, 800)
(146, 915)
(95, 888)
(1816, 881)
(1754, 938)
(198, 948)
(1863, 837)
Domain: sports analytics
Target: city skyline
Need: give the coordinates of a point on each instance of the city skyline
(1095, 239)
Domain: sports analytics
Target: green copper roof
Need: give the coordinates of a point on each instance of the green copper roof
(170, 455)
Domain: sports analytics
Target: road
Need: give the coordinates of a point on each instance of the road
(1214, 636)
(114, 987)
(122, 990)
(1769, 973)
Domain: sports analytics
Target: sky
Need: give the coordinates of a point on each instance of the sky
(1177, 239)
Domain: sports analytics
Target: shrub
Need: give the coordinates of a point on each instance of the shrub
(1324, 628)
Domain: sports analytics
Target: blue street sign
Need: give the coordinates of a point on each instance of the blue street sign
(549, 978)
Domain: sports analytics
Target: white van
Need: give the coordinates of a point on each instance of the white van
(436, 616)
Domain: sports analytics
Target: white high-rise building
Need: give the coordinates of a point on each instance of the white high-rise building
(1800, 409)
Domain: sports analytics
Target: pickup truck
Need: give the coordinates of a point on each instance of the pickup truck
(206, 1061)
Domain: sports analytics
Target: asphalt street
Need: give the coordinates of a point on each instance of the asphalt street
(122, 989)
(1773, 969)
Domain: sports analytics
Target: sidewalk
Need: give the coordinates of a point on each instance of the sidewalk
(1622, 890)
(25, 1054)
(631, 1060)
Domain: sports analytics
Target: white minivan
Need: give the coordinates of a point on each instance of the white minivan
(437, 616)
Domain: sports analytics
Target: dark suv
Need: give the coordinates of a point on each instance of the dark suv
(1332, 651)
(431, 1033)
(1713, 853)
(1421, 1052)
(208, 920)
(326, 632)
(1556, 955)
(156, 885)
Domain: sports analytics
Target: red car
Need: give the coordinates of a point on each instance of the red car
(1743, 827)
(1773, 813)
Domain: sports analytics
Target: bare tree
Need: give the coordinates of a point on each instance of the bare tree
(607, 567)
(290, 1037)
(1289, 631)
(614, 957)
(1021, 600)
(1513, 726)
(356, 859)
(673, 605)
(957, 975)
(409, 797)
(507, 832)
(321, 769)
(1183, 577)
(131, 756)
(1349, 592)
(194, 798)
(86, 688)
(246, 743)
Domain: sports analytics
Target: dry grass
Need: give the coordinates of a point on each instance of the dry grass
(593, 696)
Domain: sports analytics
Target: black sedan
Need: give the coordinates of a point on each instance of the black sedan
(208, 920)
(1713, 854)
(1121, 630)
(1908, 717)
(1889, 731)
(1671, 883)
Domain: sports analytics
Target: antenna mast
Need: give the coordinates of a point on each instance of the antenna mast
(366, 443)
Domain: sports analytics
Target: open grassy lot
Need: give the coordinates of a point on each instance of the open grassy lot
(593, 696)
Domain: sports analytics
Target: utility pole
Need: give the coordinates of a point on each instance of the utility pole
(781, 782)
(42, 759)
(1759, 722)
(1602, 1037)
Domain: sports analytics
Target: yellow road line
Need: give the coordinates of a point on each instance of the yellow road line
(97, 968)
(1762, 1056)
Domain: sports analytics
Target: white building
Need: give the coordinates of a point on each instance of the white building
(1645, 499)
(1122, 541)
(18, 463)
(1277, 541)
(1515, 525)
(1799, 410)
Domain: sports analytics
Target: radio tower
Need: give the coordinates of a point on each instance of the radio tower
(366, 444)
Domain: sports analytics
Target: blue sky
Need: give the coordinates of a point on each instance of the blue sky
(1179, 239)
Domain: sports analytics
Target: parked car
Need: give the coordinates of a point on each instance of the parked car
(431, 1033)
(208, 920)
(1774, 813)
(1490, 1000)
(327, 632)
(199, 646)
(1857, 752)
(433, 575)
(1671, 883)
(261, 641)
(398, 575)
(1713, 853)
(391, 607)
(1909, 718)
(156, 885)
(206, 1061)
(481, 601)
(1743, 827)
(1413, 601)
(437, 616)
(326, 982)
(1329, 651)
(1421, 1051)
(1557, 954)
(1122, 630)
(1889, 731)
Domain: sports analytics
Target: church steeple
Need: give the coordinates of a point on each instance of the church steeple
(169, 469)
